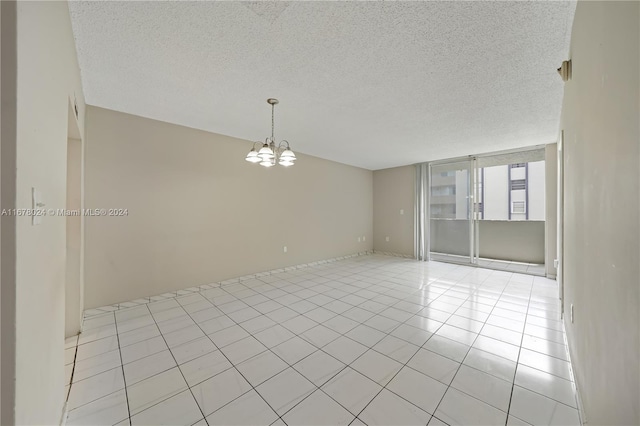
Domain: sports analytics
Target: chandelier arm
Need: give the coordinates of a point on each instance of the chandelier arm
(273, 107)
(286, 144)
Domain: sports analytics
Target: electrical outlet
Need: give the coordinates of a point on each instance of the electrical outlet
(386, 239)
(572, 313)
(364, 238)
(555, 263)
(284, 249)
(359, 239)
(401, 211)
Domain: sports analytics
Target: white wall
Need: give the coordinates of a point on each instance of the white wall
(199, 213)
(48, 77)
(600, 117)
(536, 190)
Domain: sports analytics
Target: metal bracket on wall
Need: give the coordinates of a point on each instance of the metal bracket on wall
(565, 70)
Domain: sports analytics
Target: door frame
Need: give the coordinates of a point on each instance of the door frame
(470, 197)
(560, 222)
(473, 178)
(74, 225)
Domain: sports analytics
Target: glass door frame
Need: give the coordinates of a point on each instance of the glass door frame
(471, 196)
(474, 194)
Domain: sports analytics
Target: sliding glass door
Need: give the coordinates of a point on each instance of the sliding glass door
(451, 211)
(489, 210)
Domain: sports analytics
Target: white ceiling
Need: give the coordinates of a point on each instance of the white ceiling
(372, 84)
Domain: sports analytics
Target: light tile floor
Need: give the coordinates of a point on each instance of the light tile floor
(369, 340)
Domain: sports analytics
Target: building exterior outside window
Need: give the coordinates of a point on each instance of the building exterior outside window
(505, 192)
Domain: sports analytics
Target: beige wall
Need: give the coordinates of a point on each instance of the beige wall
(199, 213)
(394, 190)
(601, 224)
(48, 77)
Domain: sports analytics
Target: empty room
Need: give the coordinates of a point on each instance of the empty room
(320, 213)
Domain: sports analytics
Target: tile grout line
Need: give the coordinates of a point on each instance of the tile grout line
(469, 350)
(388, 333)
(174, 298)
(233, 365)
(515, 373)
(291, 366)
(409, 360)
(124, 378)
(236, 280)
(214, 306)
(280, 417)
(506, 285)
(390, 287)
(176, 366)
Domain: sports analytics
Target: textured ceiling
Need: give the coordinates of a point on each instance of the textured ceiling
(372, 84)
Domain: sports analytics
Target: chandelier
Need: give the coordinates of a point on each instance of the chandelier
(269, 154)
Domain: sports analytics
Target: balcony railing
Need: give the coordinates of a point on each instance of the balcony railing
(512, 240)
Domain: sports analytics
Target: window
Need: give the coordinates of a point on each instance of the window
(443, 190)
(518, 207)
(518, 184)
(443, 211)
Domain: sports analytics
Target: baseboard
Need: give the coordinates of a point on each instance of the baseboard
(390, 253)
(144, 300)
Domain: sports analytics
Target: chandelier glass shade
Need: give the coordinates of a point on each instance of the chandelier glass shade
(268, 154)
